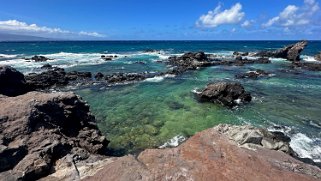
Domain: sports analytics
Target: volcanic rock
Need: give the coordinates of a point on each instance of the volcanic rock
(318, 57)
(225, 93)
(12, 82)
(125, 77)
(37, 129)
(219, 153)
(37, 58)
(253, 74)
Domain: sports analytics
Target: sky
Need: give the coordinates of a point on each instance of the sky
(163, 19)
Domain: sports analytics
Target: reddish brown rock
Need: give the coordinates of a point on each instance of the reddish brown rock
(213, 154)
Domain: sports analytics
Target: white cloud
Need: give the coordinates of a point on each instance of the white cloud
(15, 26)
(246, 24)
(217, 17)
(295, 16)
(95, 34)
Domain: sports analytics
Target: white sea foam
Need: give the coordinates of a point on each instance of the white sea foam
(306, 147)
(308, 58)
(5, 56)
(174, 142)
(155, 79)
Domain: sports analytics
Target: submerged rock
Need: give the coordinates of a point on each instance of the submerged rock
(214, 154)
(253, 74)
(225, 93)
(307, 66)
(12, 82)
(39, 128)
(290, 52)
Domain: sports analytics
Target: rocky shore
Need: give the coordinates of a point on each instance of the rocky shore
(50, 135)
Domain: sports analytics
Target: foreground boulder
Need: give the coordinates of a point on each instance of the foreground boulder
(290, 52)
(12, 82)
(225, 93)
(224, 152)
(37, 129)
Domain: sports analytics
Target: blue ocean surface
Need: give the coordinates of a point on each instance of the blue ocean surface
(147, 114)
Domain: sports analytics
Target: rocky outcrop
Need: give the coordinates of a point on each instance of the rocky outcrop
(290, 52)
(225, 93)
(240, 61)
(221, 153)
(12, 82)
(253, 74)
(318, 57)
(99, 76)
(108, 57)
(240, 53)
(188, 61)
(125, 77)
(307, 66)
(37, 129)
(75, 75)
(37, 58)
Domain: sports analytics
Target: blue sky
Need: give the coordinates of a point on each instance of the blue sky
(163, 20)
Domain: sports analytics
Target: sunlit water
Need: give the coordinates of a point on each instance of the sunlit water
(148, 113)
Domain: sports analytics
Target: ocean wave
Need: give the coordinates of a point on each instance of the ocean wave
(155, 79)
(174, 142)
(308, 58)
(6, 56)
(306, 147)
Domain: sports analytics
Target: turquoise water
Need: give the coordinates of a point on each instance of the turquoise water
(147, 114)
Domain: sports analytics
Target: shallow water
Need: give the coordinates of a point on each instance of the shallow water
(148, 113)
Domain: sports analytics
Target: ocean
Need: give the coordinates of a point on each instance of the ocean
(150, 113)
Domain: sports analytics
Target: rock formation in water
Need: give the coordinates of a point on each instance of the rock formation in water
(253, 74)
(38, 129)
(290, 52)
(221, 153)
(225, 93)
(318, 57)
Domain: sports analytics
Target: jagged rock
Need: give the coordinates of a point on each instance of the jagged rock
(240, 53)
(75, 75)
(253, 74)
(225, 93)
(37, 58)
(318, 57)
(47, 66)
(213, 154)
(99, 76)
(242, 61)
(38, 129)
(125, 77)
(307, 66)
(290, 52)
(12, 82)
(108, 57)
(44, 80)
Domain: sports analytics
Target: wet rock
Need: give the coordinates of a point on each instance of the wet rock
(307, 66)
(99, 76)
(290, 52)
(240, 53)
(75, 75)
(12, 82)
(125, 77)
(37, 58)
(107, 58)
(40, 128)
(318, 57)
(212, 154)
(47, 66)
(225, 93)
(50, 78)
(253, 74)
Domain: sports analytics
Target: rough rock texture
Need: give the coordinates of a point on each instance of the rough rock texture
(37, 129)
(290, 52)
(307, 66)
(240, 53)
(125, 77)
(318, 57)
(225, 93)
(12, 82)
(253, 74)
(37, 58)
(214, 154)
(239, 61)
(53, 77)
(188, 61)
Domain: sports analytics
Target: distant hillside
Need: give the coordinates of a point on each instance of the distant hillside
(14, 37)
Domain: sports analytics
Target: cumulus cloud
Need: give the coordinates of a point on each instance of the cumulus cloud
(217, 17)
(246, 24)
(15, 26)
(295, 16)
